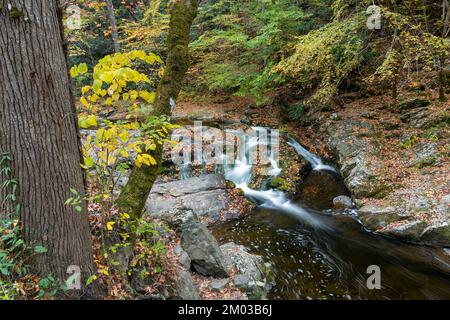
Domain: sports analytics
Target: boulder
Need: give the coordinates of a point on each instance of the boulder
(410, 230)
(342, 203)
(203, 250)
(252, 275)
(425, 154)
(219, 284)
(356, 158)
(178, 217)
(206, 196)
(376, 217)
(185, 287)
(437, 235)
(184, 260)
(413, 104)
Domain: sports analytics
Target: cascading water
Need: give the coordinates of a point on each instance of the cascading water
(315, 261)
(240, 175)
(316, 163)
(185, 171)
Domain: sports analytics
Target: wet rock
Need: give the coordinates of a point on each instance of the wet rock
(206, 196)
(185, 287)
(342, 202)
(409, 212)
(253, 276)
(203, 250)
(219, 284)
(375, 217)
(190, 186)
(438, 235)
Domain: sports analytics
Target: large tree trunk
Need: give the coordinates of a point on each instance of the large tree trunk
(113, 23)
(38, 128)
(134, 195)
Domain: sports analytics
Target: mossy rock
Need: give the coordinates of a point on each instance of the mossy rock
(280, 184)
(414, 104)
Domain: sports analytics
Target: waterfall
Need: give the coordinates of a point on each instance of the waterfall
(185, 171)
(240, 174)
(316, 163)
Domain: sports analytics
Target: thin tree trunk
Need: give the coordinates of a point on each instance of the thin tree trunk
(394, 89)
(113, 23)
(441, 79)
(38, 128)
(135, 193)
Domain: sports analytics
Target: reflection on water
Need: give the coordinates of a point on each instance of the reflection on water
(319, 264)
(331, 263)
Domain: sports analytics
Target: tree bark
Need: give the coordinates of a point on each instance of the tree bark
(113, 23)
(135, 193)
(39, 129)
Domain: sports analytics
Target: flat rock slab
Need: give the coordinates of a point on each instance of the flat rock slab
(206, 196)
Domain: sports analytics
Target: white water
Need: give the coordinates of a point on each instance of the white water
(240, 174)
(314, 160)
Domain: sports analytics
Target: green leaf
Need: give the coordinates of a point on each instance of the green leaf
(82, 68)
(40, 249)
(91, 279)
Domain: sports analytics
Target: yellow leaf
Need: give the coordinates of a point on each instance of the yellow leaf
(84, 102)
(109, 225)
(89, 161)
(85, 89)
(74, 72)
(104, 271)
(107, 77)
(147, 96)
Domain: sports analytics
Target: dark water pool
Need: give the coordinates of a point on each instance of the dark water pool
(331, 263)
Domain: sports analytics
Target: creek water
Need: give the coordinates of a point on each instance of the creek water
(331, 262)
(317, 254)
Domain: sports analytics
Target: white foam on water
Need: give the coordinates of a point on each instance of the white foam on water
(315, 161)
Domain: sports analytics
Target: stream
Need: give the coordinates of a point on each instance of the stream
(320, 255)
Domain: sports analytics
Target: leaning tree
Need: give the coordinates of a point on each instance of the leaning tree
(183, 12)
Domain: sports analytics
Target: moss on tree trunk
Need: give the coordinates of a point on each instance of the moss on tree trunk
(135, 193)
